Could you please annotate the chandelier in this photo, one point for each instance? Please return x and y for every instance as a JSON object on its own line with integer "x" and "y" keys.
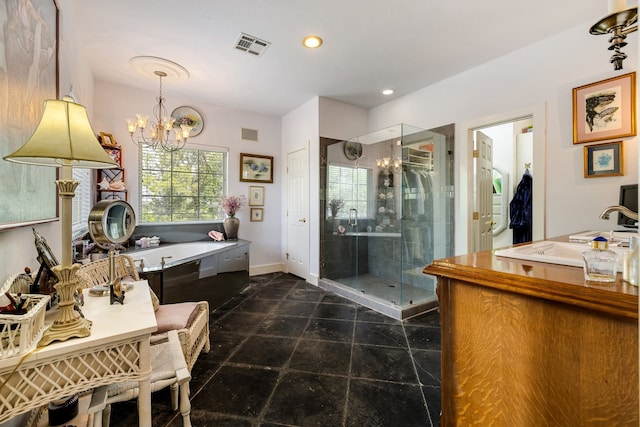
{"x": 390, "y": 163}
{"x": 159, "y": 129}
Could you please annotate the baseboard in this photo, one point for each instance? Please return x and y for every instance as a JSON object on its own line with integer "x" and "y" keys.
{"x": 266, "y": 269}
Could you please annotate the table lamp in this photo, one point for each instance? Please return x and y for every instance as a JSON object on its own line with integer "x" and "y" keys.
{"x": 64, "y": 138}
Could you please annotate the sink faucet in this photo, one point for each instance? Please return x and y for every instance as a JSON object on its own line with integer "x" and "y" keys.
{"x": 617, "y": 208}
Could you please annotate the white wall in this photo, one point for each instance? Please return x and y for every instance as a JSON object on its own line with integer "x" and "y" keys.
{"x": 16, "y": 246}
{"x": 545, "y": 72}
{"x": 222, "y": 128}
{"x": 299, "y": 130}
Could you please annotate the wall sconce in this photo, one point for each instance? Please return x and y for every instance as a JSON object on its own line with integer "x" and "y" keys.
{"x": 620, "y": 22}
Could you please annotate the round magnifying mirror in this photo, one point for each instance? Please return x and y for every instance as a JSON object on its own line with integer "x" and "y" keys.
{"x": 111, "y": 222}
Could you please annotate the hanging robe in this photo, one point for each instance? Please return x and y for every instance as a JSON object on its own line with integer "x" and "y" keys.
{"x": 521, "y": 215}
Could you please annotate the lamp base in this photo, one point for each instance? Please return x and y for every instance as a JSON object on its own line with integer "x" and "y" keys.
{"x": 70, "y": 323}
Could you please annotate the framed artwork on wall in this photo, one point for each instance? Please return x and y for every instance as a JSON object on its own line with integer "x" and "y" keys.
{"x": 256, "y": 196}
{"x": 605, "y": 109}
{"x": 30, "y": 75}
{"x": 603, "y": 160}
{"x": 256, "y": 214}
{"x": 256, "y": 168}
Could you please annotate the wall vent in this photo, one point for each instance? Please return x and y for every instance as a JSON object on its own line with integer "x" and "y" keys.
{"x": 249, "y": 134}
{"x": 251, "y": 44}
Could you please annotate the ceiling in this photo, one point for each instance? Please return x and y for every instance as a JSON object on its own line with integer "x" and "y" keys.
{"x": 368, "y": 44}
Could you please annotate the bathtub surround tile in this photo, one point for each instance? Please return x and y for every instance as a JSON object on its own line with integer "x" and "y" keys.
{"x": 285, "y": 353}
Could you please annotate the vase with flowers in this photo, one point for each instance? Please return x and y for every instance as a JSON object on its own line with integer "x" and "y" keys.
{"x": 230, "y": 206}
{"x": 335, "y": 205}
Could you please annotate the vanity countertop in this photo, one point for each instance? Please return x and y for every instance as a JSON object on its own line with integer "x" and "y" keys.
{"x": 549, "y": 281}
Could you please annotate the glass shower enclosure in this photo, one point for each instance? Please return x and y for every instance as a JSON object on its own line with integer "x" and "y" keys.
{"x": 387, "y": 212}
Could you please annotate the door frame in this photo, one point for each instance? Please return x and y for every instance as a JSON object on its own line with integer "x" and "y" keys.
{"x": 465, "y": 178}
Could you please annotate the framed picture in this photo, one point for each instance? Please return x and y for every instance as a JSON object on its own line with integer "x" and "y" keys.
{"x": 603, "y": 160}
{"x": 107, "y": 140}
{"x": 256, "y": 196}
{"x": 256, "y": 168}
{"x": 256, "y": 214}
{"x": 29, "y": 76}
{"x": 605, "y": 109}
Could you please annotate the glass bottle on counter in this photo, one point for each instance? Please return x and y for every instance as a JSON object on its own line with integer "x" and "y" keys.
{"x": 630, "y": 272}
{"x": 600, "y": 262}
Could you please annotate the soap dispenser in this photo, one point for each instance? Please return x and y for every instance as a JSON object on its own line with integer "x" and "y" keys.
{"x": 600, "y": 262}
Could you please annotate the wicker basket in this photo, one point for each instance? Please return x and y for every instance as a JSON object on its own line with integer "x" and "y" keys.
{"x": 19, "y": 333}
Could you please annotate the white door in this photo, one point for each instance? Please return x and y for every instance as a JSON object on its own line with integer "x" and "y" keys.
{"x": 484, "y": 192}
{"x": 297, "y": 253}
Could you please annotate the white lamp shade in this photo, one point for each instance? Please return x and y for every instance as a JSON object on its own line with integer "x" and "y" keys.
{"x": 63, "y": 137}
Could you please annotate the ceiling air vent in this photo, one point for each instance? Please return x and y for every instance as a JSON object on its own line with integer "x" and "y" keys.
{"x": 252, "y": 45}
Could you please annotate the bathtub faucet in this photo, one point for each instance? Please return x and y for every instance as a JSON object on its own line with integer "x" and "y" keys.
{"x": 162, "y": 261}
{"x": 623, "y": 210}
{"x": 353, "y": 217}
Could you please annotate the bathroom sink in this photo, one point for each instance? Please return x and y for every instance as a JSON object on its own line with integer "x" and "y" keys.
{"x": 561, "y": 253}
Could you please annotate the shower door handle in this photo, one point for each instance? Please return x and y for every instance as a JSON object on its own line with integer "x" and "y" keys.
{"x": 353, "y": 217}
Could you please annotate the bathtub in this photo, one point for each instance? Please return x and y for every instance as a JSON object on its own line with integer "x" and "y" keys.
{"x": 185, "y": 263}
{"x": 167, "y": 256}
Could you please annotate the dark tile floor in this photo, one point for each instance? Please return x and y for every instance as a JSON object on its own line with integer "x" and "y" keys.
{"x": 286, "y": 353}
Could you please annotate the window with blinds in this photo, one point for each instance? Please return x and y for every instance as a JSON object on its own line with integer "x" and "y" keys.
{"x": 81, "y": 203}
{"x": 351, "y": 185}
{"x": 181, "y": 186}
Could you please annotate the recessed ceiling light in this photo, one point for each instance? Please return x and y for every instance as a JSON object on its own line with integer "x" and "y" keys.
{"x": 312, "y": 42}
{"x": 387, "y": 91}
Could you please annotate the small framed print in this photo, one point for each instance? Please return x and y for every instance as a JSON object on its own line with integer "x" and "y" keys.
{"x": 603, "y": 160}
{"x": 107, "y": 140}
{"x": 256, "y": 214}
{"x": 256, "y": 196}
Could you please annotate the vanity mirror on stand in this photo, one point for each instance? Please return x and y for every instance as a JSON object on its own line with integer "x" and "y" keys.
{"x": 111, "y": 223}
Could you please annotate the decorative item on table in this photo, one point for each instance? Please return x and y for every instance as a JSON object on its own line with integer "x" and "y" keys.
{"x": 335, "y": 205}
{"x": 216, "y": 235}
{"x": 341, "y": 229}
{"x": 230, "y": 206}
{"x": 21, "y": 319}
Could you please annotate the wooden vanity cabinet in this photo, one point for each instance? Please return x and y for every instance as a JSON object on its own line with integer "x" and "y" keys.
{"x": 530, "y": 344}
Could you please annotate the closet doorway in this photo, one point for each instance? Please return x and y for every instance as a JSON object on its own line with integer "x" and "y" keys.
{"x": 512, "y": 155}
{"x": 518, "y": 119}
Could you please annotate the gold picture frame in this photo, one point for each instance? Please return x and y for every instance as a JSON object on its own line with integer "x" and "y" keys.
{"x": 256, "y": 168}
{"x": 107, "y": 140}
{"x": 602, "y": 160}
{"x": 256, "y": 214}
{"x": 256, "y": 196}
{"x": 605, "y": 109}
